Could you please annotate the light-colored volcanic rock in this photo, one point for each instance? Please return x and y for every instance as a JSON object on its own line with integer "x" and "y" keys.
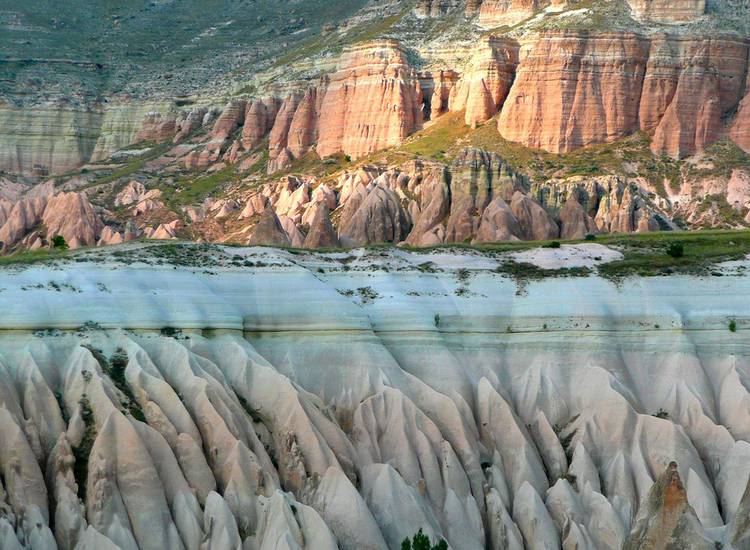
{"x": 368, "y": 404}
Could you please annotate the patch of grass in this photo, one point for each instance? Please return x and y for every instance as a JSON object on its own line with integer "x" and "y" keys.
{"x": 524, "y": 270}
{"x": 644, "y": 253}
{"x": 33, "y": 256}
{"x": 719, "y": 159}
{"x": 134, "y": 165}
{"x": 367, "y": 294}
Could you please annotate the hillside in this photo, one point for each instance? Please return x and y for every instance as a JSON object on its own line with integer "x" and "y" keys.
{"x": 474, "y": 121}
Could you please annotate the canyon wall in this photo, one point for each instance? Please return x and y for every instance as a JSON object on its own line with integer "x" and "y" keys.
{"x": 56, "y": 138}
{"x": 174, "y": 408}
{"x": 575, "y": 89}
{"x": 558, "y": 91}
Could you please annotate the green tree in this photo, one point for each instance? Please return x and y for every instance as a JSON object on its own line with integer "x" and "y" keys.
{"x": 420, "y": 541}
{"x": 58, "y": 241}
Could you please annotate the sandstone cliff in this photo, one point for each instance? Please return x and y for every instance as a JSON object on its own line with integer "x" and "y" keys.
{"x": 574, "y": 89}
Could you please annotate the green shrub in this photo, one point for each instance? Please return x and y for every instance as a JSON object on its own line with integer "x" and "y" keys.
{"x": 733, "y": 325}
{"x": 590, "y": 237}
{"x": 58, "y": 241}
{"x": 420, "y": 541}
{"x": 676, "y": 250}
{"x": 554, "y": 244}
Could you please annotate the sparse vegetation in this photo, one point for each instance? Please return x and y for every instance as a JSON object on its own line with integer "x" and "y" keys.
{"x": 420, "y": 541}
{"x": 367, "y": 294}
{"x": 732, "y": 325}
{"x": 676, "y": 249}
{"x": 58, "y": 242}
{"x": 82, "y": 451}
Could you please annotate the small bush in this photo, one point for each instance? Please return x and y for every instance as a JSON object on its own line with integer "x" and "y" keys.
{"x": 676, "y": 250}
{"x": 58, "y": 241}
{"x": 420, "y": 541}
{"x": 590, "y": 237}
{"x": 554, "y": 244}
{"x": 732, "y": 326}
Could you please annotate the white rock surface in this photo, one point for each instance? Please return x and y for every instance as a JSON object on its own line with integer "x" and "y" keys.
{"x": 249, "y": 398}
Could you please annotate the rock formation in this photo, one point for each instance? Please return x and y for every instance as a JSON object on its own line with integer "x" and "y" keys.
{"x": 666, "y": 517}
{"x": 670, "y": 11}
{"x": 486, "y": 81}
{"x": 269, "y": 231}
{"x": 368, "y": 403}
{"x": 372, "y": 103}
{"x": 321, "y": 234}
{"x": 575, "y": 89}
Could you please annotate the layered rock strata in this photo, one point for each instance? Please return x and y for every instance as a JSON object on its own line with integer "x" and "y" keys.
{"x": 368, "y": 404}
{"x": 574, "y": 89}
{"x": 558, "y": 91}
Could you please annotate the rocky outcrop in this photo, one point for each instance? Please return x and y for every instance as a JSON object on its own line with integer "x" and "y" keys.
{"x": 188, "y": 122}
{"x": 690, "y": 87}
{"x": 435, "y": 8}
{"x": 537, "y": 224}
{"x": 157, "y": 127}
{"x": 497, "y": 13}
{"x": 477, "y": 177}
{"x": 35, "y": 219}
{"x": 575, "y": 223}
{"x": 230, "y": 119}
{"x": 667, "y": 11}
{"x": 666, "y": 517}
{"x": 434, "y": 190}
{"x": 436, "y": 87}
{"x": 259, "y": 119}
{"x": 740, "y": 129}
{"x": 321, "y": 234}
{"x": 373, "y": 102}
{"x": 73, "y": 217}
{"x": 379, "y": 218}
{"x": 486, "y": 81}
{"x": 574, "y": 89}
{"x": 269, "y": 231}
{"x": 279, "y": 154}
{"x": 498, "y": 223}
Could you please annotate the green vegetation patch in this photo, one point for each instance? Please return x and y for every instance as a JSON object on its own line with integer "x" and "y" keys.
{"x": 658, "y": 253}
{"x": 420, "y": 541}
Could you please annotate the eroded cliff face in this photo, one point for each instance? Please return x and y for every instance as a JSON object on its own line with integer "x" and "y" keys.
{"x": 667, "y": 11}
{"x": 576, "y": 89}
{"x": 486, "y": 81}
{"x": 557, "y": 91}
{"x": 56, "y": 138}
{"x": 368, "y": 404}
